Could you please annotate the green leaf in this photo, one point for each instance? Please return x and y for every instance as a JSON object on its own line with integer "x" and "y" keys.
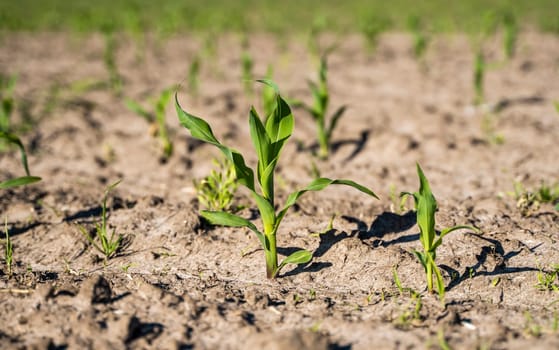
{"x": 448, "y": 230}
{"x": 222, "y": 218}
{"x": 201, "y": 130}
{"x": 139, "y": 110}
{"x": 421, "y": 257}
{"x": 197, "y": 126}
{"x": 270, "y": 83}
{"x": 317, "y": 185}
{"x": 426, "y": 206}
{"x": 266, "y": 211}
{"x": 280, "y": 124}
{"x": 11, "y": 138}
{"x": 260, "y": 139}
{"x": 299, "y": 257}
{"x": 334, "y": 121}
{"x": 19, "y": 181}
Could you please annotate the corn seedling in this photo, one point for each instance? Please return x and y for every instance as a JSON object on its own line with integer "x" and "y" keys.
{"x": 319, "y": 24}
{"x": 420, "y": 39}
{"x": 268, "y": 141}
{"x": 108, "y": 245}
{"x": 9, "y": 249}
{"x": 479, "y": 73}
{"x": 319, "y": 108}
{"x": 372, "y": 27}
{"x": 556, "y": 105}
{"x": 7, "y": 86}
{"x": 426, "y": 206}
{"x": 109, "y": 59}
{"x": 23, "y": 180}
{"x": 510, "y": 34}
{"x": 156, "y": 118}
{"x": 194, "y": 76}
{"x": 215, "y": 192}
{"x": 247, "y": 64}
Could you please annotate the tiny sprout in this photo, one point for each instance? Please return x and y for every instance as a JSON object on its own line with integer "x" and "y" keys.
{"x": 109, "y": 245}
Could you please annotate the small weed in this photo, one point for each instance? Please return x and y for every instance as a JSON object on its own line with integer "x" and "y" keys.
{"x": 547, "y": 281}
{"x": 216, "y": 191}
{"x": 426, "y": 206}
{"x": 412, "y": 311}
{"x": 156, "y": 118}
{"x": 529, "y": 201}
{"x": 488, "y": 129}
{"x": 109, "y": 245}
{"x": 531, "y": 327}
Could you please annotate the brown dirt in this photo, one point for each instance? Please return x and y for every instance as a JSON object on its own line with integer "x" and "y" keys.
{"x": 180, "y": 284}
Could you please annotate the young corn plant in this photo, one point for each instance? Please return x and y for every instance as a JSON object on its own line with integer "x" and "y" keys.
{"x": 479, "y": 73}
{"x": 108, "y": 245}
{"x": 194, "y": 76}
{"x": 319, "y": 109}
{"x": 420, "y": 39}
{"x": 426, "y": 206}
{"x": 8, "y": 250}
{"x": 7, "y": 86}
{"x": 156, "y": 118}
{"x": 216, "y": 191}
{"x": 247, "y": 64}
{"x": 372, "y": 27}
{"x": 510, "y": 34}
{"x": 268, "y": 140}
{"x": 23, "y": 180}
{"x": 109, "y": 58}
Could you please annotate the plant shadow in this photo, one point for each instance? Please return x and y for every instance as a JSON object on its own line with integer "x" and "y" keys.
{"x": 385, "y": 223}
{"x": 359, "y": 145}
{"x": 494, "y": 252}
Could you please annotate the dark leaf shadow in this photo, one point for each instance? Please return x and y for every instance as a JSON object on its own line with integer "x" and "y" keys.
{"x": 83, "y": 214}
{"x": 494, "y": 251}
{"x": 14, "y": 231}
{"x": 359, "y": 145}
{"x": 385, "y": 223}
{"x": 509, "y": 102}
